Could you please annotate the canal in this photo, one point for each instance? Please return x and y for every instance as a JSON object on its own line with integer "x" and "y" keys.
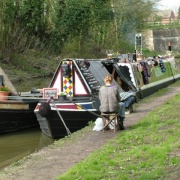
{"x": 14, "y": 146}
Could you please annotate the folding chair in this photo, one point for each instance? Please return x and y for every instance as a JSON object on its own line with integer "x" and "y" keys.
{"x": 110, "y": 121}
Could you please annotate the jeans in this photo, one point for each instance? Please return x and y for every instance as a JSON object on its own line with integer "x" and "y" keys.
{"x": 129, "y": 101}
{"x": 122, "y": 109}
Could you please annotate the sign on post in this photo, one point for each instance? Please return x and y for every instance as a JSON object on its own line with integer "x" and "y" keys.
{"x": 50, "y": 92}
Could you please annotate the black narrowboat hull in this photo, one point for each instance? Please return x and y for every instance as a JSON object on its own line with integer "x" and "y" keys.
{"x": 17, "y": 115}
{"x": 154, "y": 87}
{"x": 53, "y": 125}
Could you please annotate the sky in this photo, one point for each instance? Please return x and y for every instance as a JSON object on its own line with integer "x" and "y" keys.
{"x": 169, "y": 4}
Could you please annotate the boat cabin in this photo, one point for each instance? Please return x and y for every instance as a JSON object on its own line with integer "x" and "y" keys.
{"x": 80, "y": 78}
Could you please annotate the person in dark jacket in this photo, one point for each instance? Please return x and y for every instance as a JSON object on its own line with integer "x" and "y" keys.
{"x": 127, "y": 97}
{"x": 109, "y": 97}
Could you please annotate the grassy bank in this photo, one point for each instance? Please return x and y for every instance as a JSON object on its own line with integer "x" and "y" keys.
{"x": 30, "y": 69}
{"x": 148, "y": 150}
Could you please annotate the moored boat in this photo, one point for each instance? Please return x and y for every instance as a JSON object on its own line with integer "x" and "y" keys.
{"x": 17, "y": 115}
{"x": 148, "y": 75}
{"x": 16, "y": 112}
{"x": 80, "y": 80}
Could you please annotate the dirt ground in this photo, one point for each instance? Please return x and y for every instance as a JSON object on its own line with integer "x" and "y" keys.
{"x": 55, "y": 160}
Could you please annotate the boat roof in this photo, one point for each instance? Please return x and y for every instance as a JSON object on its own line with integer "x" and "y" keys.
{"x": 94, "y": 71}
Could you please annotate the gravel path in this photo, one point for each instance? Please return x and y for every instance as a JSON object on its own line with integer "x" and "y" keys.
{"x": 52, "y": 161}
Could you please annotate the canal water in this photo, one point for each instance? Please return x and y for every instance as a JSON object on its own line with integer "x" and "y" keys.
{"x": 14, "y": 146}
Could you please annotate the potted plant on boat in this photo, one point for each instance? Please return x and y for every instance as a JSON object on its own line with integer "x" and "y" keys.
{"x": 4, "y": 92}
{"x": 62, "y": 96}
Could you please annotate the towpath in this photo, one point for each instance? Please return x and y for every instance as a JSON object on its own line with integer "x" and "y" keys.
{"x": 55, "y": 160}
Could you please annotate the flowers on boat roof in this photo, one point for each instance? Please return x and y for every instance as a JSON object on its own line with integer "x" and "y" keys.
{"x": 4, "y": 88}
{"x": 62, "y": 93}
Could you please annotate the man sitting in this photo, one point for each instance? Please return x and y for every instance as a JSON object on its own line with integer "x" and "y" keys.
{"x": 129, "y": 98}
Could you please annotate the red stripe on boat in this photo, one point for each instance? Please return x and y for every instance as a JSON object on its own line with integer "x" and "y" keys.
{"x": 67, "y": 106}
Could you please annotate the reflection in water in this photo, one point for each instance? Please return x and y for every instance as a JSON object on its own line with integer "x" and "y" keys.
{"x": 15, "y": 146}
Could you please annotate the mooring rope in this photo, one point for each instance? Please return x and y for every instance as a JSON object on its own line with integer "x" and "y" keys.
{"x": 68, "y": 131}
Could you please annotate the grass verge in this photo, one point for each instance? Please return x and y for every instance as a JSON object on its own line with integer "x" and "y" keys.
{"x": 148, "y": 150}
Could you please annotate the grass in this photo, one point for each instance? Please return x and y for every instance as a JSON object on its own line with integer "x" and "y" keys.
{"x": 148, "y": 150}
{"x": 30, "y": 69}
{"x": 177, "y": 56}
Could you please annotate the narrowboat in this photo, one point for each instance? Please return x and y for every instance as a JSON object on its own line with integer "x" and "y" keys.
{"x": 79, "y": 80}
{"x": 16, "y": 112}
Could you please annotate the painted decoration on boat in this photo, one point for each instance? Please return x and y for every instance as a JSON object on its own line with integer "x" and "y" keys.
{"x": 75, "y": 78}
{"x": 79, "y": 88}
{"x": 67, "y": 78}
{"x": 50, "y": 92}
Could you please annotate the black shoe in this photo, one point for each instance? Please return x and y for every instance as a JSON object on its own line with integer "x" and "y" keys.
{"x": 121, "y": 124}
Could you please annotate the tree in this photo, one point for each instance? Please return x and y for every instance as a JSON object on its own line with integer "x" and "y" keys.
{"x": 178, "y": 16}
{"x": 50, "y": 23}
{"x": 82, "y": 18}
{"x": 129, "y": 16}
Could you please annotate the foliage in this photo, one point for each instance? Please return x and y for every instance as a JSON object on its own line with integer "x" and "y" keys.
{"x": 177, "y": 55}
{"x": 62, "y": 94}
{"x": 4, "y": 88}
{"x": 148, "y": 53}
{"x": 31, "y": 69}
{"x": 131, "y": 15}
{"x": 178, "y": 16}
{"x": 47, "y": 25}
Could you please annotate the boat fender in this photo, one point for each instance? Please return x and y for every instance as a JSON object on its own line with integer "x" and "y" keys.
{"x": 44, "y": 109}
